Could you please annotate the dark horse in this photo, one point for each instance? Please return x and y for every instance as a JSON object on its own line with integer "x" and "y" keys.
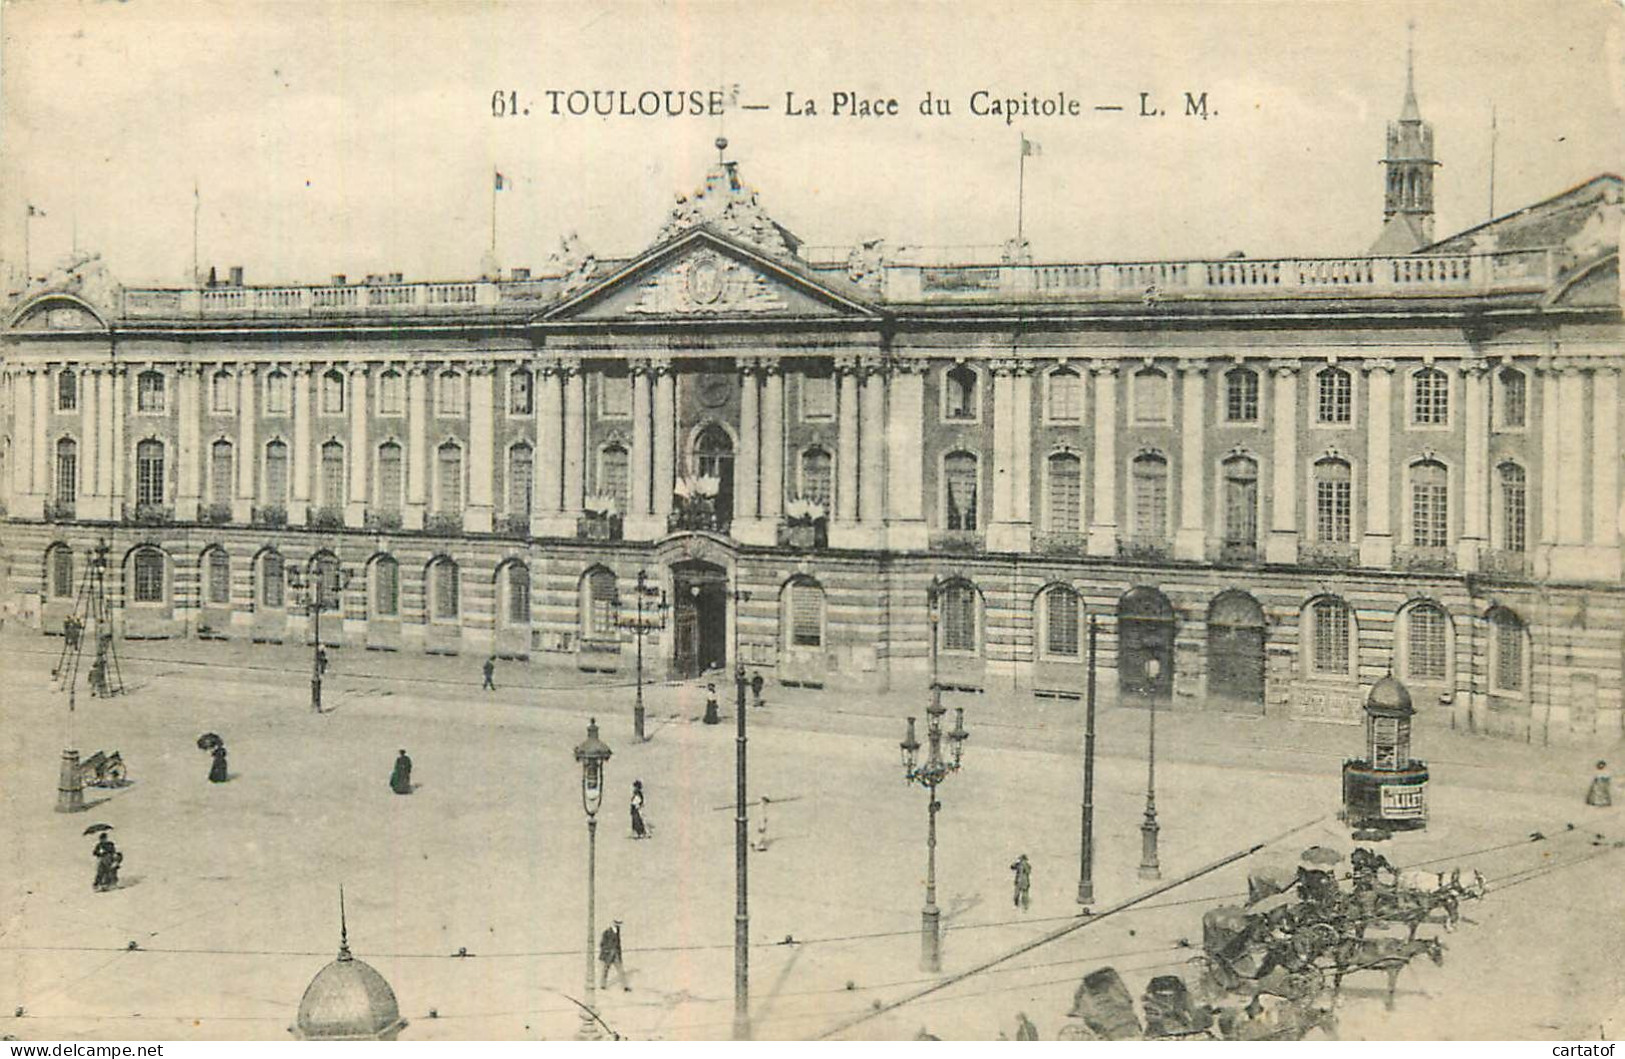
{"x": 1389, "y": 955}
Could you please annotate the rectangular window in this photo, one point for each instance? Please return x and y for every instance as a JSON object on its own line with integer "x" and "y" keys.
{"x": 67, "y": 474}
{"x": 1061, "y": 639}
{"x": 271, "y": 580}
{"x": 223, "y": 393}
{"x": 451, "y": 480}
{"x": 616, "y": 400}
{"x": 149, "y": 579}
{"x": 519, "y": 393}
{"x": 276, "y": 393}
{"x": 219, "y": 578}
{"x": 1333, "y": 511}
{"x": 1331, "y": 643}
{"x": 1508, "y": 656}
{"x": 1150, "y": 500}
{"x": 1334, "y": 396}
{"x": 149, "y": 474}
{"x": 149, "y": 392}
{"x": 1432, "y": 403}
{"x": 959, "y": 619}
{"x": 1065, "y": 494}
{"x": 806, "y": 616}
{"x": 818, "y": 395}
{"x": 1514, "y": 398}
{"x": 445, "y": 590}
{"x": 1065, "y": 396}
{"x": 1514, "y": 503}
{"x": 449, "y": 394}
{"x": 960, "y": 474}
{"x": 1430, "y": 522}
{"x": 1241, "y": 508}
{"x": 333, "y": 475}
{"x": 1426, "y": 643}
{"x": 386, "y": 589}
{"x": 389, "y": 479}
{"x": 62, "y": 574}
{"x": 519, "y": 480}
{"x": 67, "y": 392}
{"x": 1241, "y": 397}
{"x": 519, "y": 596}
{"x": 276, "y": 473}
{"x": 1151, "y": 400}
{"x": 390, "y": 393}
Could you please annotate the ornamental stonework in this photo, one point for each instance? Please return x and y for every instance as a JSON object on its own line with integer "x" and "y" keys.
{"x": 707, "y": 283}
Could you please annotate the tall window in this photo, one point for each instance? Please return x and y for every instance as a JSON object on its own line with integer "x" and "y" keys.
{"x": 149, "y": 392}
{"x": 449, "y": 467}
{"x": 518, "y": 575}
{"x": 386, "y": 587}
{"x": 1151, "y": 396}
{"x": 1334, "y": 396}
{"x": 1506, "y": 643}
{"x": 219, "y": 577}
{"x": 521, "y": 394}
{"x": 1430, "y": 505}
{"x": 391, "y": 396}
{"x": 389, "y": 478}
{"x": 1150, "y": 481}
{"x": 149, "y": 472}
{"x": 957, "y": 613}
{"x": 67, "y": 472}
{"x": 1061, "y": 612}
{"x": 223, "y": 392}
{"x": 1240, "y": 502}
{"x": 804, "y": 613}
{"x": 1430, "y": 401}
{"x": 222, "y": 471}
{"x": 614, "y": 475}
{"x": 1334, "y": 501}
{"x": 1241, "y": 395}
{"x": 271, "y": 580}
{"x": 1330, "y": 645}
{"x": 333, "y": 393}
{"x": 149, "y": 576}
{"x": 616, "y": 388}
{"x": 1514, "y": 398}
{"x": 959, "y": 475}
{"x": 448, "y": 394}
{"x": 520, "y": 462}
{"x": 959, "y": 397}
{"x": 817, "y": 476}
{"x": 818, "y": 393}
{"x": 60, "y": 565}
{"x": 1514, "y": 508}
{"x": 1065, "y": 396}
{"x": 1425, "y": 636}
{"x": 332, "y": 474}
{"x": 67, "y": 391}
{"x": 1065, "y": 493}
{"x": 444, "y": 588}
{"x": 276, "y": 393}
{"x": 276, "y": 472}
{"x": 598, "y": 606}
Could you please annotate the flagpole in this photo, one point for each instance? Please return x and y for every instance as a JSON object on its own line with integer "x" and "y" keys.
{"x": 1492, "y": 161}
{"x": 28, "y": 222}
{"x": 1021, "y": 192}
{"x": 494, "y": 176}
{"x": 197, "y": 205}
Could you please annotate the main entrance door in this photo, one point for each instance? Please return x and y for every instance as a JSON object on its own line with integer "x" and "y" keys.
{"x": 1145, "y": 648}
{"x": 699, "y": 617}
{"x": 1235, "y": 653}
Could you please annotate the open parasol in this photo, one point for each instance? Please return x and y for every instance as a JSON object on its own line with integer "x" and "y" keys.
{"x": 1321, "y": 857}
{"x": 208, "y": 741}
{"x": 96, "y": 829}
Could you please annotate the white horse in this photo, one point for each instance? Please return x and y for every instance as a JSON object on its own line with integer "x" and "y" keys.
{"x": 1434, "y": 882}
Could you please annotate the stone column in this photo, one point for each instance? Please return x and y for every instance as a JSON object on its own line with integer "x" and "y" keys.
{"x": 905, "y": 457}
{"x": 746, "y": 527}
{"x": 872, "y": 451}
{"x": 1475, "y": 477}
{"x": 665, "y": 440}
{"x": 1605, "y": 470}
{"x": 189, "y": 488}
{"x": 1190, "y": 540}
{"x": 43, "y": 454}
{"x": 1571, "y": 454}
{"x": 25, "y": 504}
{"x": 1282, "y": 546}
{"x": 118, "y": 459}
{"x": 1011, "y": 528}
{"x": 417, "y": 446}
{"x": 843, "y": 528}
{"x": 92, "y": 497}
{"x": 771, "y": 494}
{"x": 1549, "y": 412}
{"x": 575, "y": 442}
{"x": 299, "y": 505}
{"x": 1377, "y": 541}
{"x": 545, "y": 517}
{"x": 640, "y": 523}
{"x": 106, "y": 414}
{"x": 479, "y": 512}
{"x": 1103, "y": 520}
{"x": 355, "y": 512}
{"x": 248, "y": 455}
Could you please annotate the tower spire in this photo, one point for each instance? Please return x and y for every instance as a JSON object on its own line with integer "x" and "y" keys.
{"x": 1407, "y": 208}
{"x": 1410, "y": 112}
{"x": 344, "y": 928}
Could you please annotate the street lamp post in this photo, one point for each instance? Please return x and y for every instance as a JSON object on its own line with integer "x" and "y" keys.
{"x": 1149, "y": 868}
{"x": 741, "y": 862}
{"x": 641, "y": 623}
{"x": 593, "y": 756}
{"x": 1086, "y": 855}
{"x": 323, "y": 583}
{"x": 930, "y": 775}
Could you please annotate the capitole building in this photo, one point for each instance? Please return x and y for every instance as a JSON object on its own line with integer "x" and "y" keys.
{"x": 1280, "y": 479}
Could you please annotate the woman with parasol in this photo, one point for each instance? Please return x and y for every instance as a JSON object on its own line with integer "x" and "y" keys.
{"x": 217, "y": 771}
{"x": 108, "y": 858}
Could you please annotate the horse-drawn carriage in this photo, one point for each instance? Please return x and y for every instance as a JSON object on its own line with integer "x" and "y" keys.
{"x": 102, "y": 769}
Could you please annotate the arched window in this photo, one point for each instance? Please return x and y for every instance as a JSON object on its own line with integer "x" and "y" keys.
{"x": 222, "y": 472}
{"x": 1241, "y": 395}
{"x": 67, "y": 391}
{"x": 449, "y": 471}
{"x": 390, "y": 478}
{"x": 817, "y": 477}
{"x": 272, "y": 579}
{"x": 714, "y": 458}
{"x": 1514, "y": 508}
{"x": 1065, "y": 396}
{"x": 520, "y": 463}
{"x": 803, "y": 616}
{"x": 1241, "y": 503}
{"x": 959, "y": 393}
{"x": 223, "y": 392}
{"x": 448, "y": 394}
{"x": 960, "y": 479}
{"x": 1334, "y": 501}
{"x": 1508, "y": 673}
{"x": 1150, "y": 482}
{"x": 615, "y": 474}
{"x": 1065, "y": 493}
{"x": 333, "y": 392}
{"x": 1430, "y": 398}
{"x": 1426, "y": 643}
{"x": 444, "y": 589}
{"x": 1329, "y": 637}
{"x": 67, "y": 473}
{"x": 276, "y": 393}
{"x": 1514, "y": 398}
{"x": 1151, "y": 396}
{"x": 332, "y": 474}
{"x": 1063, "y": 610}
{"x": 818, "y": 393}
{"x": 1334, "y": 396}
{"x": 149, "y": 472}
{"x": 59, "y": 564}
{"x": 598, "y": 605}
{"x": 521, "y": 399}
{"x": 1430, "y": 505}
{"x": 956, "y": 613}
{"x": 386, "y": 587}
{"x": 517, "y": 591}
{"x": 149, "y": 392}
{"x": 276, "y": 472}
{"x": 149, "y": 576}
{"x": 391, "y": 398}
{"x": 217, "y": 577}
{"x": 616, "y": 390}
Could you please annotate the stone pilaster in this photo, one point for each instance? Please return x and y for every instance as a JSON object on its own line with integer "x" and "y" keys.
{"x": 93, "y": 501}
{"x": 844, "y": 525}
{"x": 1475, "y": 477}
{"x": 1282, "y": 545}
{"x": 1377, "y": 542}
{"x": 575, "y": 442}
{"x": 1190, "y": 540}
{"x": 747, "y": 526}
{"x": 479, "y": 512}
{"x": 665, "y": 439}
{"x": 771, "y": 494}
{"x": 118, "y": 457}
{"x": 1605, "y": 554}
{"x": 188, "y": 428}
{"x": 640, "y": 524}
{"x": 25, "y": 502}
{"x": 1103, "y": 521}
{"x": 905, "y": 457}
{"x": 361, "y": 457}
{"x": 546, "y": 514}
{"x": 248, "y": 453}
{"x": 1011, "y": 528}
{"x": 303, "y": 394}
{"x": 417, "y": 446}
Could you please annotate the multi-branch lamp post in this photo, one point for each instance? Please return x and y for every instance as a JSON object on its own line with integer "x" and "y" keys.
{"x": 322, "y": 586}
{"x": 649, "y": 614}
{"x": 593, "y": 756}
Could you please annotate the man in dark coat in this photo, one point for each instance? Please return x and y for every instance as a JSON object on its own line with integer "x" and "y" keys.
{"x": 609, "y": 954}
{"x": 400, "y": 781}
{"x": 1023, "y": 870}
{"x": 756, "y": 685}
{"x": 217, "y": 771}
{"x": 490, "y": 671}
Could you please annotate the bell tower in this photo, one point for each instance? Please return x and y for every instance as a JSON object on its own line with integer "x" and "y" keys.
{"x": 1407, "y": 208}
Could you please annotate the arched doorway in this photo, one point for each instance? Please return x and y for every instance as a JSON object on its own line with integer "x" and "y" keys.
{"x": 1235, "y": 653}
{"x": 714, "y": 458}
{"x": 1145, "y": 647}
{"x": 699, "y": 617}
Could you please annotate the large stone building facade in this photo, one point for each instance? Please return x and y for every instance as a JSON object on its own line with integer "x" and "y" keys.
{"x": 1279, "y": 479}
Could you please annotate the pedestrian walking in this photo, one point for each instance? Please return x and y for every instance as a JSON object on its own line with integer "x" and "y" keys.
{"x": 108, "y": 859}
{"x": 217, "y": 770}
{"x": 639, "y": 828}
{"x": 490, "y": 671}
{"x": 756, "y": 685}
{"x": 761, "y": 826}
{"x": 712, "y": 710}
{"x": 321, "y": 661}
{"x": 1024, "y": 882}
{"x": 609, "y": 954}
{"x": 1601, "y": 792}
{"x": 400, "y": 780}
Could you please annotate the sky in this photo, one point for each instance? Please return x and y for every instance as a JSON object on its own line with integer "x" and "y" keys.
{"x": 359, "y": 137}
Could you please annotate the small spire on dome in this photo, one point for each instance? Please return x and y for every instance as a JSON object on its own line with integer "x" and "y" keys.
{"x": 344, "y": 929}
{"x": 1410, "y": 112}
{"x": 722, "y": 147}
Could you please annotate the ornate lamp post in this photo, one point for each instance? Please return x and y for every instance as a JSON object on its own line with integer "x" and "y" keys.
{"x": 321, "y": 587}
{"x": 929, "y": 775}
{"x": 641, "y": 622}
{"x": 1149, "y": 868}
{"x": 593, "y": 755}
{"x": 1086, "y": 855}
